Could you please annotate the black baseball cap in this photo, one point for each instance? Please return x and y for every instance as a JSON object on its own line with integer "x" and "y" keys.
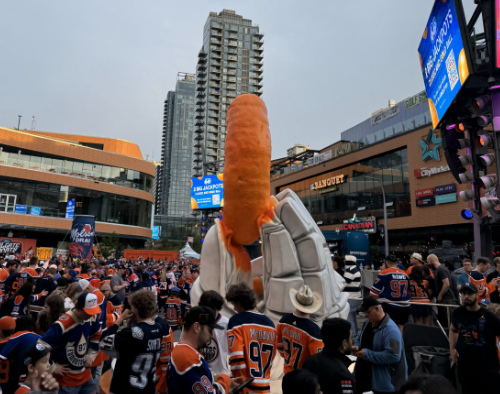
{"x": 36, "y": 352}
{"x": 203, "y": 315}
{"x": 469, "y": 286}
{"x": 391, "y": 258}
{"x": 367, "y": 303}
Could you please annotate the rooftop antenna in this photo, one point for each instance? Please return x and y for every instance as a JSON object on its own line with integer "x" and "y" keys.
{"x": 33, "y": 123}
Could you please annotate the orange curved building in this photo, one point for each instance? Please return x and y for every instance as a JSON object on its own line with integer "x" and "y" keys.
{"x": 107, "y": 178}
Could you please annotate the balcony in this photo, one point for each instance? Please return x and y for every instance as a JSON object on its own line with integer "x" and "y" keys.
{"x": 231, "y": 79}
{"x": 232, "y": 58}
{"x": 214, "y": 98}
{"x": 202, "y": 54}
{"x": 213, "y": 106}
{"x": 233, "y": 43}
{"x": 213, "y": 122}
{"x": 198, "y": 136}
{"x": 197, "y": 144}
{"x": 233, "y": 28}
{"x": 232, "y": 65}
{"x": 215, "y": 55}
{"x": 231, "y": 86}
{"x": 216, "y": 25}
{"x": 213, "y": 114}
{"x": 215, "y": 77}
{"x": 231, "y": 72}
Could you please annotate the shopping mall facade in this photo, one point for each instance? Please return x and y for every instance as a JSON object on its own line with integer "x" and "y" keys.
{"x": 41, "y": 173}
{"x": 341, "y": 186}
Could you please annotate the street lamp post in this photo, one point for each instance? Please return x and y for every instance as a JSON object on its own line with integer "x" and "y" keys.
{"x": 386, "y": 233}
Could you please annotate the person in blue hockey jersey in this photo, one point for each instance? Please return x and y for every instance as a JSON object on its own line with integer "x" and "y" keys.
{"x": 392, "y": 284}
{"x": 188, "y": 371}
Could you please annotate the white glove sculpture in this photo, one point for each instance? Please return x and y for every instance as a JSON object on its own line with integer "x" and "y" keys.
{"x": 294, "y": 251}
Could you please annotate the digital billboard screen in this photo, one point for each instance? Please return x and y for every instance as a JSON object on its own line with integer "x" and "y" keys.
{"x": 443, "y": 57}
{"x": 207, "y": 192}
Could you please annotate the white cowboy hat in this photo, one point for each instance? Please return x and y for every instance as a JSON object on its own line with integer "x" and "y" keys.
{"x": 305, "y": 300}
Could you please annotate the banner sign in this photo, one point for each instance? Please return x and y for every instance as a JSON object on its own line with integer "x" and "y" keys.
{"x": 367, "y": 224}
{"x": 22, "y": 209}
{"x": 156, "y": 232}
{"x": 82, "y": 237}
{"x": 426, "y": 202}
{"x": 424, "y": 192}
{"x": 442, "y": 58}
{"x": 312, "y": 161}
{"x": 207, "y": 192}
{"x": 35, "y": 211}
{"x": 415, "y": 100}
{"x": 379, "y": 117}
{"x": 445, "y": 198}
{"x": 444, "y": 189}
{"x": 22, "y": 246}
{"x": 44, "y": 254}
{"x": 70, "y": 209}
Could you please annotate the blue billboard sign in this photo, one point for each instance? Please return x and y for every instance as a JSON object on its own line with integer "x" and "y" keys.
{"x": 207, "y": 192}
{"x": 21, "y": 209}
{"x": 156, "y": 232}
{"x": 443, "y": 58}
{"x": 70, "y": 209}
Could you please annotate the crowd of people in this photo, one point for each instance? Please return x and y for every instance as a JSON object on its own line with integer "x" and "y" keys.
{"x": 75, "y": 326}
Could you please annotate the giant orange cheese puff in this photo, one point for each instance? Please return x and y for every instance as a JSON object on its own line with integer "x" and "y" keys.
{"x": 247, "y": 204}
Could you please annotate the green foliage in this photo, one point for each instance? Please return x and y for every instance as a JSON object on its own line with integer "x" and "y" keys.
{"x": 375, "y": 254}
{"x": 109, "y": 244}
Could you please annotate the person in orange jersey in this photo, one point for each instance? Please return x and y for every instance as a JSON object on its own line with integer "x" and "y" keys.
{"x": 298, "y": 336}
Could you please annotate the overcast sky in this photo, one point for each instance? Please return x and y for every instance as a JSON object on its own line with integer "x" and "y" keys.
{"x": 103, "y": 68}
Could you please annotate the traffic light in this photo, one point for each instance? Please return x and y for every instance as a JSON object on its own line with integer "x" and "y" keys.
{"x": 466, "y": 143}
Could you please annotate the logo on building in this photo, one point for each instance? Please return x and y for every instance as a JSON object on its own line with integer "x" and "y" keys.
{"x": 430, "y": 153}
{"x": 366, "y": 224}
{"x": 334, "y": 180}
{"x": 424, "y": 171}
{"x": 355, "y": 219}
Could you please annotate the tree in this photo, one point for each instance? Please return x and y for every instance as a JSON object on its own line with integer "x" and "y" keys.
{"x": 109, "y": 244}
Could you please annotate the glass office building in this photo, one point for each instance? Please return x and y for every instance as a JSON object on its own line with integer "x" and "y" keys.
{"x": 356, "y": 189}
{"x": 229, "y": 64}
{"x": 175, "y": 172}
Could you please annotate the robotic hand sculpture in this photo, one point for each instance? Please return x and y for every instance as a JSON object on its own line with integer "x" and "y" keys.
{"x": 294, "y": 251}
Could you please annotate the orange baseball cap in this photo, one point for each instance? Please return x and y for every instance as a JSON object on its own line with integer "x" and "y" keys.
{"x": 7, "y": 323}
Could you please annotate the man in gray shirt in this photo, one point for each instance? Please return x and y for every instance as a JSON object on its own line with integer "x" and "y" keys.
{"x": 117, "y": 284}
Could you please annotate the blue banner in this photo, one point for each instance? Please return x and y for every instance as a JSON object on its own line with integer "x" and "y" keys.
{"x": 207, "y": 192}
{"x": 70, "y": 209}
{"x": 35, "y": 211}
{"x": 21, "y": 209}
{"x": 156, "y": 232}
{"x": 442, "y": 58}
{"x": 82, "y": 237}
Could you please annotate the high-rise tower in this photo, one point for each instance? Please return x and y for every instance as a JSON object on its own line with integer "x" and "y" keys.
{"x": 229, "y": 64}
{"x": 175, "y": 172}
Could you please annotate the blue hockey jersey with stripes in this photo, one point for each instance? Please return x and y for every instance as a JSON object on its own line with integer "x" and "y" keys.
{"x": 392, "y": 284}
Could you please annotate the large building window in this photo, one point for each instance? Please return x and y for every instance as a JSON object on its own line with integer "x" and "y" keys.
{"x": 52, "y": 200}
{"x": 360, "y": 190}
{"x": 11, "y": 156}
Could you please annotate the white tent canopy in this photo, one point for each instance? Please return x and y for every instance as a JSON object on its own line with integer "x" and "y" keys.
{"x": 188, "y": 253}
